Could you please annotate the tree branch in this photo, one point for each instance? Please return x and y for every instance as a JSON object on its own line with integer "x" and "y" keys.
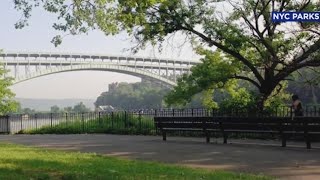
{"x": 247, "y": 79}
{"x": 290, "y": 69}
{"x": 278, "y": 90}
{"x": 261, "y": 37}
{"x": 228, "y": 51}
{"x": 313, "y": 48}
{"x": 305, "y": 5}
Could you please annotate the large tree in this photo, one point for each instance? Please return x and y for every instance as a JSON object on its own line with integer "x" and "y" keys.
{"x": 7, "y": 102}
{"x": 265, "y": 53}
{"x": 81, "y": 108}
{"x": 55, "y": 109}
{"x": 141, "y": 95}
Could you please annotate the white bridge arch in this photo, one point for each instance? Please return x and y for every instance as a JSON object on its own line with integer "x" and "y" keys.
{"x": 26, "y": 66}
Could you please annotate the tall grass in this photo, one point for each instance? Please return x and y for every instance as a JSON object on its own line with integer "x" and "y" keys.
{"x": 116, "y": 123}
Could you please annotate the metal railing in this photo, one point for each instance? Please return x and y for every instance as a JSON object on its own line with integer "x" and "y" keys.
{"x": 118, "y": 122}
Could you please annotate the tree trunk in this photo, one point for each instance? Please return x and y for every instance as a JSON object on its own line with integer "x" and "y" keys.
{"x": 314, "y": 96}
{"x": 260, "y": 103}
{"x": 267, "y": 87}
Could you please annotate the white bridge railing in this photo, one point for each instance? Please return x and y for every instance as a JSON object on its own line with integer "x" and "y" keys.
{"x": 25, "y": 66}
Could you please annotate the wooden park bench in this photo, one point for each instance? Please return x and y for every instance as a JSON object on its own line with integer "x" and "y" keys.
{"x": 308, "y": 127}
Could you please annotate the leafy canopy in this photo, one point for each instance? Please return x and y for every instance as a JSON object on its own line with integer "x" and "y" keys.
{"x": 213, "y": 73}
{"x": 263, "y": 53}
{"x": 133, "y": 96}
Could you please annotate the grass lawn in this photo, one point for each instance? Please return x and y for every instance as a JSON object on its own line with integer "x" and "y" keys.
{"x": 21, "y": 162}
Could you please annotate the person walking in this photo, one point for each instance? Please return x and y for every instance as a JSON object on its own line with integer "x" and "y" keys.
{"x": 297, "y": 106}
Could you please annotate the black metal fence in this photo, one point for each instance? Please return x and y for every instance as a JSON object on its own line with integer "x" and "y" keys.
{"x": 70, "y": 123}
{"x": 117, "y": 122}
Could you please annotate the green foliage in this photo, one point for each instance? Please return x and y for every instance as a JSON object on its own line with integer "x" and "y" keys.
{"x": 68, "y": 109}
{"x": 80, "y": 108}
{"x": 55, "y": 109}
{"x": 22, "y": 162}
{"x": 215, "y": 79}
{"x": 7, "y": 103}
{"x": 208, "y": 100}
{"x": 279, "y": 97}
{"x": 213, "y": 73}
{"x": 118, "y": 123}
{"x": 21, "y": 110}
{"x": 27, "y": 111}
{"x": 239, "y": 99}
{"x": 133, "y": 96}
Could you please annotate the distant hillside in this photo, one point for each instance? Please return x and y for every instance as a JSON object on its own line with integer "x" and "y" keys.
{"x": 45, "y": 104}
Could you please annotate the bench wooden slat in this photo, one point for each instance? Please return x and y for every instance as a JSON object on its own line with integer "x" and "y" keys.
{"x": 181, "y": 125}
{"x": 279, "y": 125}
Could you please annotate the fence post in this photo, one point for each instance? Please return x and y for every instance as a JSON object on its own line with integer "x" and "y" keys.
{"x": 82, "y": 121}
{"x": 66, "y": 119}
{"x": 306, "y": 135}
{"x": 35, "y": 118}
{"x": 140, "y": 121}
{"x": 112, "y": 117}
{"x": 125, "y": 119}
{"x": 8, "y": 125}
{"x": 21, "y": 122}
{"x": 51, "y": 116}
{"x": 99, "y": 114}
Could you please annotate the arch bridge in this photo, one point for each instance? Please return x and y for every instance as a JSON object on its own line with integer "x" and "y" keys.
{"x": 26, "y": 66}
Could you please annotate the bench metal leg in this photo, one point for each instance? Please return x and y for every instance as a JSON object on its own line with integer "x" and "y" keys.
{"x": 284, "y": 140}
{"x": 207, "y": 138}
{"x": 308, "y": 145}
{"x": 225, "y": 137}
{"x": 164, "y": 136}
{"x": 307, "y": 139}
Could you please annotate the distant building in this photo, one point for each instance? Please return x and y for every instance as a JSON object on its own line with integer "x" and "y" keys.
{"x": 105, "y": 108}
{"x": 25, "y": 117}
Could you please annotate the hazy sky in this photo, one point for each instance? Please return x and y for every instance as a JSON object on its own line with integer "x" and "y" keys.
{"x": 83, "y": 84}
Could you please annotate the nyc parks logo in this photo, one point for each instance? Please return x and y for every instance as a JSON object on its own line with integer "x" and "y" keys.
{"x": 295, "y": 17}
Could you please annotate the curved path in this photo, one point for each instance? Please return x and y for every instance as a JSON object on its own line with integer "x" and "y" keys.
{"x": 253, "y": 156}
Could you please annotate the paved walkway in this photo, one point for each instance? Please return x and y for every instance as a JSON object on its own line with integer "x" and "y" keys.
{"x": 294, "y": 162}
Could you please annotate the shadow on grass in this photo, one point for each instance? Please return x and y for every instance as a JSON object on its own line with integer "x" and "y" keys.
{"x": 37, "y": 163}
